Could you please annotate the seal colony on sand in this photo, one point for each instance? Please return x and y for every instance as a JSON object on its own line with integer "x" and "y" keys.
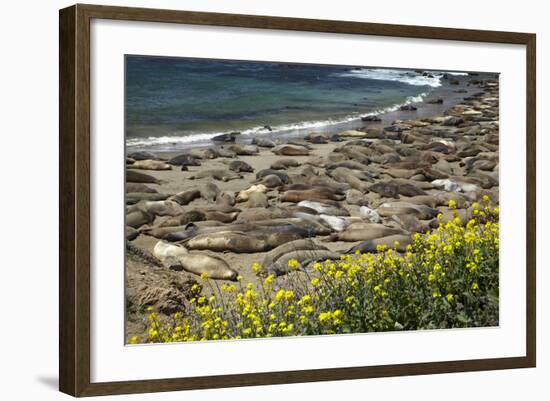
{"x": 246, "y": 200}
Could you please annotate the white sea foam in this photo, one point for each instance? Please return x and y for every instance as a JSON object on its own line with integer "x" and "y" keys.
{"x": 404, "y": 76}
{"x": 432, "y": 78}
{"x": 199, "y": 138}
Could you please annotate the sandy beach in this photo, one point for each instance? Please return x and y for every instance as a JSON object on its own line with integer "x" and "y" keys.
{"x": 341, "y": 187}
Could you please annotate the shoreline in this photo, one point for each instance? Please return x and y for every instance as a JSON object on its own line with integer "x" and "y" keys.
{"x": 448, "y": 93}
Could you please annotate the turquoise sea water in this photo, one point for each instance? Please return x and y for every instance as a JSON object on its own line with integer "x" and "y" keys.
{"x": 186, "y": 101}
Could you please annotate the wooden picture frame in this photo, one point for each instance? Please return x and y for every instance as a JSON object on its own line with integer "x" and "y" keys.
{"x": 74, "y": 203}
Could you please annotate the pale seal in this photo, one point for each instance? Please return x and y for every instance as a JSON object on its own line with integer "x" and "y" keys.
{"x": 155, "y": 165}
{"x": 245, "y": 194}
{"x": 174, "y": 256}
{"x": 365, "y": 232}
{"x": 237, "y": 242}
{"x": 290, "y": 150}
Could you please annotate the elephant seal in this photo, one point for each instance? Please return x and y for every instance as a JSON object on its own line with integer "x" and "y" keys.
{"x": 231, "y": 241}
{"x": 185, "y": 233}
{"x": 297, "y": 245}
{"x": 438, "y": 147}
{"x": 217, "y": 174}
{"x": 283, "y": 164}
{"x": 137, "y": 218}
{"x": 422, "y": 212}
{"x": 446, "y": 185}
{"x": 156, "y": 165}
{"x": 448, "y": 215}
{"x": 135, "y": 197}
{"x": 432, "y": 201}
{"x": 245, "y": 194}
{"x": 257, "y": 199}
{"x": 335, "y": 223}
{"x": 225, "y": 137}
{"x": 263, "y": 142}
{"x": 431, "y": 173}
{"x": 256, "y": 214}
{"x": 272, "y": 181}
{"x": 138, "y": 187}
{"x": 349, "y": 164}
{"x": 386, "y": 158}
{"x": 209, "y": 191}
{"x": 353, "y": 134}
{"x": 131, "y": 233}
{"x": 365, "y": 232}
{"x": 313, "y": 224}
{"x": 279, "y": 235}
{"x": 319, "y": 161}
{"x": 484, "y": 180}
{"x": 221, "y": 216}
{"x": 239, "y": 166}
{"x": 174, "y": 256}
{"x": 316, "y": 138}
{"x": 184, "y": 160}
{"x": 323, "y": 208}
{"x": 143, "y": 155}
{"x": 300, "y": 209}
{"x": 265, "y": 172}
{"x": 159, "y": 208}
{"x": 423, "y": 185}
{"x": 186, "y": 197}
{"x": 360, "y": 173}
{"x": 371, "y": 118}
{"x": 400, "y": 173}
{"x": 225, "y": 198}
{"x": 137, "y": 177}
{"x": 356, "y": 154}
{"x": 462, "y": 202}
{"x": 290, "y": 150}
{"x": 408, "y": 189}
{"x": 329, "y": 186}
{"x": 370, "y": 215}
{"x": 162, "y": 232}
{"x": 244, "y": 150}
{"x": 224, "y": 152}
{"x": 355, "y": 197}
{"x": 410, "y": 223}
{"x": 469, "y": 150}
{"x": 183, "y": 219}
{"x": 385, "y": 189}
{"x": 303, "y": 257}
{"x": 388, "y": 241}
{"x": 296, "y": 196}
{"x": 168, "y": 253}
{"x": 207, "y": 153}
{"x": 341, "y": 174}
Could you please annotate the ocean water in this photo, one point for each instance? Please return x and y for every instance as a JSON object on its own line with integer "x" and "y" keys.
{"x": 185, "y": 101}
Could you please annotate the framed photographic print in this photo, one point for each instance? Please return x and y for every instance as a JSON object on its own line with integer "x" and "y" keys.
{"x": 279, "y": 200}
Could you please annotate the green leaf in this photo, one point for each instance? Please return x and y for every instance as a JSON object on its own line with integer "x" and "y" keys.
{"x": 462, "y": 318}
